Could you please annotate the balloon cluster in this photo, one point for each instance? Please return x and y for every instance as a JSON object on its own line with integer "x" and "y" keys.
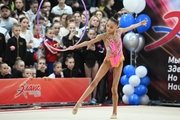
{"x": 135, "y": 82}
{"x": 134, "y": 42}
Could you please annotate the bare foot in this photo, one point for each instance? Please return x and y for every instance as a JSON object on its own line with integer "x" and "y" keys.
{"x": 114, "y": 116}
{"x": 75, "y": 109}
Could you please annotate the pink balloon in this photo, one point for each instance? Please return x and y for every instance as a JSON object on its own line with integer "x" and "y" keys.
{"x": 12, "y": 48}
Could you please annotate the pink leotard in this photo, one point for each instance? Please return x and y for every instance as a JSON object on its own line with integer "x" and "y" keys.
{"x": 114, "y": 51}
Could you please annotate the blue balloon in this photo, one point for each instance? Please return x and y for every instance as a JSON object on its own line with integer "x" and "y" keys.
{"x": 134, "y": 99}
{"x": 142, "y": 29}
{"x": 126, "y": 20}
{"x": 140, "y": 90}
{"x": 129, "y": 70}
{"x": 145, "y": 81}
{"x": 124, "y": 80}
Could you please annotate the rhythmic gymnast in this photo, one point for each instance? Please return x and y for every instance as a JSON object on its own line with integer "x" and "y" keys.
{"x": 114, "y": 58}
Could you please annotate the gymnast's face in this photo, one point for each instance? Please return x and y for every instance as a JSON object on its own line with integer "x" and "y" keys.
{"x": 111, "y": 27}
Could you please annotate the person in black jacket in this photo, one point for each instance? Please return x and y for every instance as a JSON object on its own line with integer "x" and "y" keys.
{"x": 70, "y": 71}
{"x": 77, "y": 5}
{"x": 70, "y": 40}
{"x": 42, "y": 70}
{"x": 2, "y": 47}
{"x": 91, "y": 65}
{"x": 4, "y": 71}
{"x": 18, "y": 69}
{"x": 16, "y": 46}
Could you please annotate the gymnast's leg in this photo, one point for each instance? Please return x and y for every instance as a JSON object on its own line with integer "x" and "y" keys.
{"x": 101, "y": 72}
{"x": 116, "y": 76}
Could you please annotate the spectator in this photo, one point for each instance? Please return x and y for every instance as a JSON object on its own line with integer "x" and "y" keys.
{"x": 19, "y": 67}
{"x": 57, "y": 36}
{"x": 27, "y": 73}
{"x": 46, "y": 6}
{"x": 33, "y": 72}
{"x": 19, "y": 8}
{"x": 21, "y": 15}
{"x": 103, "y": 23}
{"x": 6, "y": 21}
{"x": 28, "y": 36}
{"x": 5, "y": 2}
{"x": 93, "y": 22}
{"x": 64, "y": 30}
{"x": 56, "y": 18}
{"x": 77, "y": 5}
{"x": 42, "y": 70}
{"x": 70, "y": 40}
{"x": 38, "y": 51}
{"x": 108, "y": 8}
{"x": 2, "y": 47}
{"x": 32, "y": 11}
{"x": 70, "y": 71}
{"x": 63, "y": 18}
{"x": 87, "y": 13}
{"x": 50, "y": 54}
{"x": 57, "y": 68}
{"x": 16, "y": 46}
{"x": 4, "y": 71}
{"x": 41, "y": 25}
{"x": 5, "y": 32}
{"x": 91, "y": 64}
{"x": 61, "y": 8}
{"x": 77, "y": 18}
{"x": 100, "y": 14}
{"x": 83, "y": 20}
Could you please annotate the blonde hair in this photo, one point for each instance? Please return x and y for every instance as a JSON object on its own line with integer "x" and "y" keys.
{"x": 15, "y": 25}
{"x": 90, "y": 25}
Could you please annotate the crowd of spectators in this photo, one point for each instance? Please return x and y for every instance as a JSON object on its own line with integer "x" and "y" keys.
{"x": 31, "y": 44}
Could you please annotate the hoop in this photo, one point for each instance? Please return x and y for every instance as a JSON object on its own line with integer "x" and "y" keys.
{"x": 56, "y": 49}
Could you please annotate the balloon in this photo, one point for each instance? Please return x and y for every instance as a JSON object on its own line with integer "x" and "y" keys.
{"x": 125, "y": 99}
{"x": 134, "y": 99}
{"x": 140, "y": 90}
{"x": 12, "y": 48}
{"x": 131, "y": 5}
{"x": 131, "y": 41}
{"x": 129, "y": 70}
{"x": 144, "y": 100}
{"x": 141, "y": 42}
{"x": 141, "y": 6}
{"x": 145, "y": 81}
{"x": 126, "y": 20}
{"x": 124, "y": 80}
{"x": 142, "y": 29}
{"x": 134, "y": 80}
{"x": 141, "y": 71}
{"x": 128, "y": 89}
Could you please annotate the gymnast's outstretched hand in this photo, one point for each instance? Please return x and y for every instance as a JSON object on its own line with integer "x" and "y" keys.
{"x": 144, "y": 22}
{"x": 70, "y": 48}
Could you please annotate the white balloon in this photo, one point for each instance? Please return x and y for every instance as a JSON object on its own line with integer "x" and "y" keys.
{"x": 131, "y": 5}
{"x": 125, "y": 99}
{"x": 141, "y": 71}
{"x": 134, "y": 80}
{"x": 144, "y": 100}
{"x": 128, "y": 89}
{"x": 140, "y": 7}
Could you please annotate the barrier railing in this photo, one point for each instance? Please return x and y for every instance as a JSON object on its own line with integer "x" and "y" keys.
{"x": 41, "y": 91}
